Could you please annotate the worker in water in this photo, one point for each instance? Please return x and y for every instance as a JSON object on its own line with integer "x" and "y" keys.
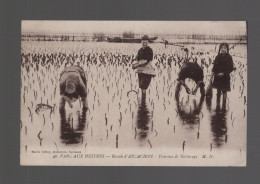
{"x": 193, "y": 71}
{"x": 222, "y": 67}
{"x": 144, "y": 68}
{"x": 73, "y": 84}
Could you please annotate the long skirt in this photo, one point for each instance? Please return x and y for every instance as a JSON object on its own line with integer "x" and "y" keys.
{"x": 144, "y": 80}
{"x": 222, "y": 83}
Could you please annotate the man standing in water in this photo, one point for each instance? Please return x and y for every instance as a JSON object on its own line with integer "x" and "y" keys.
{"x": 165, "y": 42}
{"x": 73, "y": 85}
{"x": 144, "y": 68}
{"x": 192, "y": 71}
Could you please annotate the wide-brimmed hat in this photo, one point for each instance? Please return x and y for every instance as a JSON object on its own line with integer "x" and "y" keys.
{"x": 145, "y": 37}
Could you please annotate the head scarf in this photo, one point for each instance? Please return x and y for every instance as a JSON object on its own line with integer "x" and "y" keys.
{"x": 223, "y": 44}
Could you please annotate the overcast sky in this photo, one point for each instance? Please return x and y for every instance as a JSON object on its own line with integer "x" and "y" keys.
{"x": 144, "y": 27}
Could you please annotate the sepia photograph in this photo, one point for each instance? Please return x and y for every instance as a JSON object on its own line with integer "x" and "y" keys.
{"x": 133, "y": 93}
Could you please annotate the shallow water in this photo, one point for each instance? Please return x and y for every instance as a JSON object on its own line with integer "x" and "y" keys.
{"x": 118, "y": 119}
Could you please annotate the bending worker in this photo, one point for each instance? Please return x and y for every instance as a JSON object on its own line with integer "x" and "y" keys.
{"x": 73, "y": 84}
{"x": 193, "y": 71}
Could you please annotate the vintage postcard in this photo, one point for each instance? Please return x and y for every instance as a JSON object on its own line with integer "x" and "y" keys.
{"x": 133, "y": 93}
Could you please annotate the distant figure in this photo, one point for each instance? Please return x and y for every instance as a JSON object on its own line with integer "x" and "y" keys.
{"x": 194, "y": 72}
{"x": 144, "y": 68}
{"x": 166, "y": 43}
{"x": 73, "y": 84}
{"x": 186, "y": 54}
{"x": 222, "y": 67}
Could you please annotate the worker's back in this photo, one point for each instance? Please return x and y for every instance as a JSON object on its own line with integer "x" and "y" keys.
{"x": 191, "y": 70}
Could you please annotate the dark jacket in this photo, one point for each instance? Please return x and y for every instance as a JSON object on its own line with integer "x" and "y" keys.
{"x": 145, "y": 54}
{"x": 222, "y": 64}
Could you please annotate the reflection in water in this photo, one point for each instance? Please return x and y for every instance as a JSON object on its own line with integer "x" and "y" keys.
{"x": 218, "y": 124}
{"x": 209, "y": 102}
{"x": 72, "y": 129}
{"x": 143, "y": 121}
{"x": 190, "y": 117}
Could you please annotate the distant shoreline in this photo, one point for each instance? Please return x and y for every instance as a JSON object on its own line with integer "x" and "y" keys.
{"x": 199, "y": 42}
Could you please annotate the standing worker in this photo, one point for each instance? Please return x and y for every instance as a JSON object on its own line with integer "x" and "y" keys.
{"x": 73, "y": 84}
{"x": 144, "y": 68}
{"x": 223, "y": 66}
{"x": 166, "y": 43}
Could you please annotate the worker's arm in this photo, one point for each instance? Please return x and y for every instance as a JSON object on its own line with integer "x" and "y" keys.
{"x": 140, "y": 63}
{"x": 64, "y": 99}
{"x": 185, "y": 86}
{"x": 62, "y": 103}
{"x": 143, "y": 62}
{"x": 134, "y": 66}
{"x": 83, "y": 94}
{"x": 196, "y": 88}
